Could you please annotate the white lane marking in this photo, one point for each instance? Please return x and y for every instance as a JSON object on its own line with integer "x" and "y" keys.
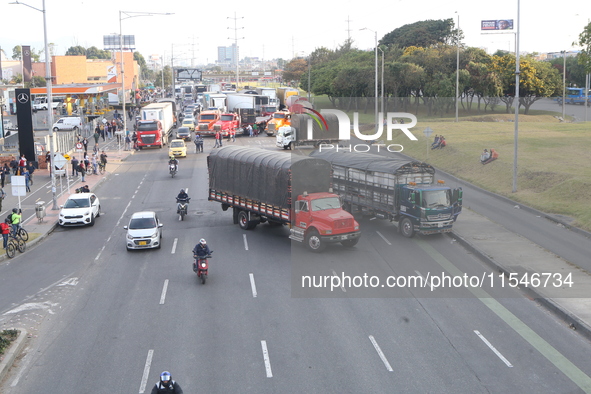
{"x": 266, "y": 358}
{"x": 163, "y": 296}
{"x": 24, "y": 365}
{"x": 380, "y": 353}
{"x": 146, "y": 371}
{"x": 384, "y": 238}
{"x": 245, "y": 242}
{"x": 253, "y": 286}
{"x": 342, "y": 287}
{"x": 499, "y": 355}
{"x": 99, "y": 253}
{"x": 174, "y": 245}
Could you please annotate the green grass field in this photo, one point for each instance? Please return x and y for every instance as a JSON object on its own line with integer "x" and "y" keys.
{"x": 554, "y": 159}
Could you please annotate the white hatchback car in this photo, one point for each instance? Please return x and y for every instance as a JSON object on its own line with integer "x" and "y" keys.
{"x": 144, "y": 231}
{"x": 80, "y": 209}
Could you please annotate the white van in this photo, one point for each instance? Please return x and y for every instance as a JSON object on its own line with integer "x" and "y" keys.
{"x": 68, "y": 123}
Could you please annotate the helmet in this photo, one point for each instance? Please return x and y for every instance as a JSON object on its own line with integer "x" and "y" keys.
{"x": 14, "y": 210}
{"x": 182, "y": 190}
{"x": 165, "y": 377}
{"x": 202, "y": 241}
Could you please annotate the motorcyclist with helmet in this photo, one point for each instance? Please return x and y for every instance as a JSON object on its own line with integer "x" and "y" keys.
{"x": 182, "y": 197}
{"x": 201, "y": 250}
{"x": 166, "y": 385}
{"x": 174, "y": 160}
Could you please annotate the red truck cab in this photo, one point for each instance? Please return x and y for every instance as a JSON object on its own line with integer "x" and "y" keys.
{"x": 320, "y": 219}
{"x": 206, "y": 121}
{"x": 228, "y": 122}
{"x": 149, "y": 133}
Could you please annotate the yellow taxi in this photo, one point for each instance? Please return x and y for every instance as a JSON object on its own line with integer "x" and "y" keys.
{"x": 190, "y": 123}
{"x": 177, "y": 148}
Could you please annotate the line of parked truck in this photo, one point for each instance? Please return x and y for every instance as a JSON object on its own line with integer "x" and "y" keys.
{"x": 317, "y": 195}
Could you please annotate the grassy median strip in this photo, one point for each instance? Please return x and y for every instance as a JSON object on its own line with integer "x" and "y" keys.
{"x": 554, "y": 170}
{"x": 6, "y": 338}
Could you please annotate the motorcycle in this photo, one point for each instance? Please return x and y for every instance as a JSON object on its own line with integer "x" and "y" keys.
{"x": 183, "y": 207}
{"x": 200, "y": 266}
{"x": 172, "y": 169}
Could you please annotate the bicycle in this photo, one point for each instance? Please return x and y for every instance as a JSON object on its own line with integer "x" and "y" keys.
{"x": 21, "y": 233}
{"x": 14, "y": 244}
{"x": 102, "y": 168}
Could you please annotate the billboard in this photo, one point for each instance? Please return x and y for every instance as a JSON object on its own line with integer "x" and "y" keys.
{"x": 114, "y": 42}
{"x": 497, "y": 24}
{"x": 192, "y": 74}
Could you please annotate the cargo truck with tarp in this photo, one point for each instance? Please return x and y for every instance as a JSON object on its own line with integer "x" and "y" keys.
{"x": 280, "y": 189}
{"x": 396, "y": 189}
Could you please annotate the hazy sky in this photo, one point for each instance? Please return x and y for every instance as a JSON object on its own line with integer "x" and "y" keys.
{"x": 269, "y": 30}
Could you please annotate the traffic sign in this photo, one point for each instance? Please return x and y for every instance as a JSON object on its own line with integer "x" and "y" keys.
{"x": 428, "y": 131}
{"x": 67, "y": 157}
{"x": 79, "y": 146}
{"x": 59, "y": 161}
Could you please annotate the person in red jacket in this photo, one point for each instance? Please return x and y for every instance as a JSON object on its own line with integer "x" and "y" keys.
{"x": 5, "y": 230}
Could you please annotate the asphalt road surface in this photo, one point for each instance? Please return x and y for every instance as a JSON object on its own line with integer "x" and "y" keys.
{"x": 104, "y": 319}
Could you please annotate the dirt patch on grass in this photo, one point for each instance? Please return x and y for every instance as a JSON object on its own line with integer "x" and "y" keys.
{"x": 540, "y": 181}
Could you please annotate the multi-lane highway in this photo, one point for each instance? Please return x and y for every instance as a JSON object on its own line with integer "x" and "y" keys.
{"x": 103, "y": 319}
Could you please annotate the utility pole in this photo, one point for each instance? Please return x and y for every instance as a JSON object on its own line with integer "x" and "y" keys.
{"x": 236, "y": 52}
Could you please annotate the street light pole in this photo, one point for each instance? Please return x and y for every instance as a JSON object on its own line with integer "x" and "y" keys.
{"x": 376, "y": 73}
{"x": 382, "y": 90}
{"x": 457, "y": 66}
{"x": 516, "y": 133}
{"x": 563, "y": 84}
{"x": 48, "y": 86}
{"x": 129, "y": 14}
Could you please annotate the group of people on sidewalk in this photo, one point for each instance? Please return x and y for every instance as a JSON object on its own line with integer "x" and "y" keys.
{"x": 88, "y": 165}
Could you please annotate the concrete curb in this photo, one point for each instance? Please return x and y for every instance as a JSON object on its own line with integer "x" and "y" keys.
{"x": 52, "y": 227}
{"x": 570, "y": 319}
{"x": 510, "y": 201}
{"x": 13, "y": 351}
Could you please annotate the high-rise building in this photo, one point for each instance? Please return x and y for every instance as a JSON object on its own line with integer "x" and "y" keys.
{"x": 229, "y": 55}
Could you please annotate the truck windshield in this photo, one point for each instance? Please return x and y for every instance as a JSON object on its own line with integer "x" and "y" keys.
{"x": 326, "y": 203}
{"x": 278, "y": 116}
{"x": 226, "y": 118}
{"x": 147, "y": 126}
{"x": 436, "y": 198}
{"x": 207, "y": 117}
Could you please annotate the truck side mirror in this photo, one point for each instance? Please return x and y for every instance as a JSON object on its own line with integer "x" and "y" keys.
{"x": 457, "y": 196}
{"x": 297, "y": 206}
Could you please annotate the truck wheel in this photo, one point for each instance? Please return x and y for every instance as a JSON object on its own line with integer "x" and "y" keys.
{"x": 243, "y": 221}
{"x": 314, "y": 242}
{"x": 407, "y": 228}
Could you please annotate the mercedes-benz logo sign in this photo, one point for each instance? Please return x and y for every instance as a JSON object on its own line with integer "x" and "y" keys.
{"x": 23, "y": 98}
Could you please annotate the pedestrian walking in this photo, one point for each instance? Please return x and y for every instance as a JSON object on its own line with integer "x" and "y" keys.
{"x": 85, "y": 143}
{"x": 97, "y": 134}
{"x": 250, "y": 130}
{"x": 4, "y": 172}
{"x": 31, "y": 169}
{"x": 218, "y": 140}
{"x": 134, "y": 139}
{"x": 94, "y": 163}
{"x": 27, "y": 180}
{"x": 75, "y": 163}
{"x": 22, "y": 164}
{"x": 82, "y": 171}
{"x": 233, "y": 135}
{"x": 104, "y": 160}
{"x": 103, "y": 131}
{"x": 255, "y": 130}
{"x": 127, "y": 142}
{"x": 14, "y": 165}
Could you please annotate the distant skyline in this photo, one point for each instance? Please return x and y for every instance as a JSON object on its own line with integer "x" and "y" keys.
{"x": 271, "y": 32}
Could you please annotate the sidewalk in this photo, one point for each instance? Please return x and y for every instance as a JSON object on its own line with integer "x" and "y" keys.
{"x": 508, "y": 252}
{"x": 42, "y": 229}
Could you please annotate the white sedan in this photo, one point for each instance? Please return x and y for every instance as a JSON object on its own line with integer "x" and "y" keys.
{"x": 80, "y": 209}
